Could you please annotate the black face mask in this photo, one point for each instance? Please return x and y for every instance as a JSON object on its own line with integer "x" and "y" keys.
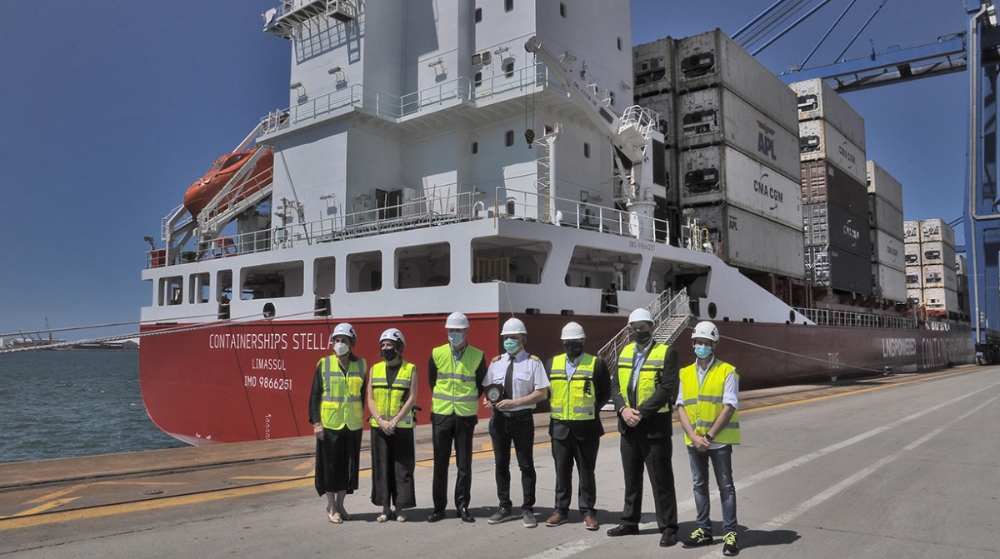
{"x": 641, "y": 338}
{"x": 388, "y": 354}
{"x": 573, "y": 349}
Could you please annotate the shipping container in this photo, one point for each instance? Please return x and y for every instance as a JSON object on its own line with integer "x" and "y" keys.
{"x": 936, "y": 252}
{"x": 941, "y": 299}
{"x": 829, "y": 224}
{"x": 887, "y": 250}
{"x": 653, "y": 65}
{"x": 819, "y": 140}
{"x": 663, "y": 104}
{"x": 884, "y": 216}
{"x": 717, "y": 115}
{"x": 915, "y": 296}
{"x": 747, "y": 240}
{"x": 914, "y": 277}
{"x": 721, "y": 174}
{"x": 937, "y": 275}
{"x": 882, "y": 184}
{"x": 840, "y": 269}
{"x": 936, "y": 230}
{"x": 822, "y": 182}
{"x": 816, "y": 99}
{"x": 713, "y": 59}
{"x": 912, "y": 254}
{"x": 888, "y": 283}
{"x": 911, "y": 231}
{"x": 961, "y": 265}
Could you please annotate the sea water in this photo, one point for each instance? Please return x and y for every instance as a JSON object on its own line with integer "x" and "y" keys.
{"x": 56, "y": 404}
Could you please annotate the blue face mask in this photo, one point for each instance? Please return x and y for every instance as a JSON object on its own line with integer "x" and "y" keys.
{"x": 511, "y": 346}
{"x": 703, "y": 351}
{"x": 456, "y": 338}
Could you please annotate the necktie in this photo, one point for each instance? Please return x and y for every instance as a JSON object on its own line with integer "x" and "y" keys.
{"x": 508, "y": 380}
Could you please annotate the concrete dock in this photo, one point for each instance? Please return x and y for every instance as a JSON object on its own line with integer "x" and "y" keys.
{"x": 884, "y": 467}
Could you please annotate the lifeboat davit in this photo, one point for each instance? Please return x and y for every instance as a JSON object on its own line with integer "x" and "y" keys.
{"x": 222, "y": 171}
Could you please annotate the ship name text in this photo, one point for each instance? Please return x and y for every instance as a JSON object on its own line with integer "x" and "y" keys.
{"x": 899, "y": 347}
{"x": 269, "y": 341}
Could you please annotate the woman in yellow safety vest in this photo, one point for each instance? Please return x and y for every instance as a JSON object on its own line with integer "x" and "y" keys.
{"x": 336, "y": 412}
{"x": 392, "y": 392}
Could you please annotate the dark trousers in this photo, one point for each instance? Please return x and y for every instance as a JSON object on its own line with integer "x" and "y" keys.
{"x": 584, "y": 453}
{"x": 518, "y": 428}
{"x": 393, "y": 461}
{"x": 450, "y": 429}
{"x": 653, "y": 454}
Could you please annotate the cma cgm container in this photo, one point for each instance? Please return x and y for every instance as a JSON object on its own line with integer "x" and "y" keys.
{"x": 936, "y": 252}
{"x": 839, "y": 269}
{"x": 721, "y": 174}
{"x": 911, "y": 232}
{"x": 888, "y": 283}
{"x": 819, "y": 140}
{"x": 912, "y": 254}
{"x": 887, "y": 250}
{"x": 914, "y": 277}
{"x": 884, "y": 185}
{"x": 943, "y": 299}
{"x": 817, "y": 100}
{"x": 828, "y": 224}
{"x": 653, "y": 65}
{"x": 939, "y": 276}
{"x": 717, "y": 115}
{"x": 884, "y": 216}
{"x": 936, "y": 230}
{"x": 746, "y": 240}
{"x": 663, "y": 104}
{"x": 713, "y": 59}
{"x": 822, "y": 182}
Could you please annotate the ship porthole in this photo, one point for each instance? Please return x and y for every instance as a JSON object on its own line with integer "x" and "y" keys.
{"x": 712, "y": 310}
{"x": 791, "y": 317}
{"x": 269, "y": 310}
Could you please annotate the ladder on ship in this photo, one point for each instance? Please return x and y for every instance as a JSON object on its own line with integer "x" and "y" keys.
{"x": 546, "y": 173}
{"x": 670, "y": 316}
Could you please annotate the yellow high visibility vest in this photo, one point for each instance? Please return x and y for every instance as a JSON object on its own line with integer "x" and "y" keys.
{"x": 569, "y": 399}
{"x": 704, "y": 404}
{"x": 647, "y": 374}
{"x": 455, "y": 390}
{"x": 342, "y": 404}
{"x": 389, "y": 398}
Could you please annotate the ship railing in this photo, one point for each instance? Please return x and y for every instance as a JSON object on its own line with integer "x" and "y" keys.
{"x": 830, "y": 317}
{"x": 671, "y": 314}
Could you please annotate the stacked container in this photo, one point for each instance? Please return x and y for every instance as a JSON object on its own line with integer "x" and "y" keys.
{"x": 885, "y": 221}
{"x": 737, "y": 138}
{"x": 835, "y": 216}
{"x": 653, "y": 65}
{"x": 932, "y": 278}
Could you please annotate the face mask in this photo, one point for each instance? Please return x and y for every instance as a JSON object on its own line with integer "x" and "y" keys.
{"x": 341, "y": 349}
{"x": 573, "y": 349}
{"x": 388, "y": 354}
{"x": 702, "y": 351}
{"x": 456, "y": 338}
{"x": 641, "y": 338}
{"x": 511, "y": 346}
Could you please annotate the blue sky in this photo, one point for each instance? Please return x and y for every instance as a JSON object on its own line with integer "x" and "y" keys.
{"x": 112, "y": 109}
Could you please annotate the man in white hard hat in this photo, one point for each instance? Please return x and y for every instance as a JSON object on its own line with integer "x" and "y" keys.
{"x": 456, "y": 371}
{"x": 643, "y": 390}
{"x": 580, "y": 386}
{"x": 524, "y": 383}
{"x": 707, "y": 408}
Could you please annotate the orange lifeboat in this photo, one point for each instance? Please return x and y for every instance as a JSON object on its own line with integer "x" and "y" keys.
{"x": 222, "y": 171}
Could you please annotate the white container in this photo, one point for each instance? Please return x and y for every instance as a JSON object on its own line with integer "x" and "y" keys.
{"x": 911, "y": 253}
{"x": 915, "y": 295}
{"x": 939, "y": 276}
{"x": 712, "y": 58}
{"x": 884, "y": 216}
{"x": 961, "y": 265}
{"x": 663, "y": 104}
{"x": 936, "y": 230}
{"x": 653, "y": 65}
{"x": 747, "y": 240}
{"x": 889, "y": 283}
{"x": 816, "y": 99}
{"x": 717, "y": 115}
{"x": 888, "y": 250}
{"x": 941, "y": 299}
{"x": 914, "y": 277}
{"x": 937, "y": 253}
{"x": 819, "y": 140}
{"x": 882, "y": 184}
{"x": 911, "y": 231}
{"x": 721, "y": 174}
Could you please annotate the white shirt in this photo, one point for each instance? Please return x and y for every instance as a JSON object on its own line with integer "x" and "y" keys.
{"x": 730, "y": 390}
{"x": 529, "y": 375}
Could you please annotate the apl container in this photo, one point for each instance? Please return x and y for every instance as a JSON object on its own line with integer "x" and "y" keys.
{"x": 941, "y": 299}
{"x": 816, "y": 99}
{"x": 888, "y": 283}
{"x": 936, "y": 230}
{"x": 883, "y": 185}
{"x": 747, "y": 240}
{"x": 839, "y": 269}
{"x": 653, "y": 65}
{"x": 912, "y": 254}
{"x": 819, "y": 140}
{"x": 825, "y": 224}
{"x": 937, "y": 253}
{"x": 722, "y": 174}
{"x": 822, "y": 182}
{"x": 884, "y": 216}
{"x": 937, "y": 275}
{"x": 887, "y": 250}
{"x": 713, "y": 59}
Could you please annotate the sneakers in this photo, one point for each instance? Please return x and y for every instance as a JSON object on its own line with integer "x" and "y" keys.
{"x": 529, "y": 519}
{"x": 701, "y": 537}
{"x": 556, "y": 519}
{"x": 501, "y": 515}
{"x": 729, "y": 547}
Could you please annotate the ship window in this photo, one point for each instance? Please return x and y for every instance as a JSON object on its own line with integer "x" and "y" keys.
{"x": 199, "y": 289}
{"x": 478, "y": 79}
{"x": 225, "y": 286}
{"x": 475, "y": 148}
{"x": 611, "y": 98}
{"x": 273, "y": 281}
{"x": 667, "y": 277}
{"x": 508, "y": 69}
{"x": 364, "y": 271}
{"x": 479, "y": 15}
{"x": 601, "y": 267}
{"x": 508, "y": 259}
{"x": 324, "y": 270}
{"x": 562, "y": 9}
{"x": 171, "y": 290}
{"x": 509, "y": 138}
{"x": 423, "y": 266}
{"x": 619, "y": 43}
{"x": 586, "y": 150}
{"x": 508, "y": 5}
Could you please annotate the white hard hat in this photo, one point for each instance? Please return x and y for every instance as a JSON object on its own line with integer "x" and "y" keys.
{"x": 456, "y": 321}
{"x": 343, "y": 329}
{"x": 394, "y": 335}
{"x": 705, "y": 330}
{"x": 573, "y": 331}
{"x": 640, "y": 315}
{"x": 513, "y": 326}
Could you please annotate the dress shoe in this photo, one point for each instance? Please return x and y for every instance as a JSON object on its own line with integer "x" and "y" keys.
{"x": 590, "y": 523}
{"x": 465, "y": 515}
{"x": 434, "y": 516}
{"x": 556, "y": 519}
{"x": 623, "y": 530}
{"x": 668, "y": 539}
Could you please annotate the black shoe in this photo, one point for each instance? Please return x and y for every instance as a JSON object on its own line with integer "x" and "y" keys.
{"x": 699, "y": 537}
{"x": 668, "y": 539}
{"x": 623, "y": 530}
{"x": 729, "y": 547}
{"x": 499, "y": 516}
{"x": 465, "y": 515}
{"x": 434, "y": 516}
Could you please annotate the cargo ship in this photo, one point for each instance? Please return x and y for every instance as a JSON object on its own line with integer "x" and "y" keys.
{"x": 490, "y": 160}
